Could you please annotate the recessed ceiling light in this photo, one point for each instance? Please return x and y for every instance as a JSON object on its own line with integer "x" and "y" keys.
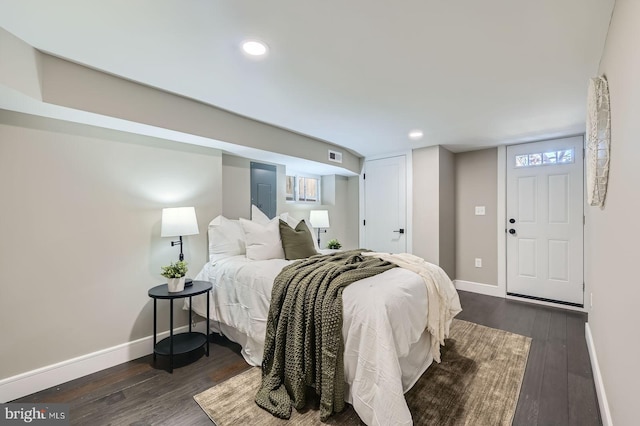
{"x": 254, "y": 48}
{"x": 416, "y": 134}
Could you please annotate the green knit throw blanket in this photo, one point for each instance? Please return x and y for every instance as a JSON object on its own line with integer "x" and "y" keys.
{"x": 303, "y": 342}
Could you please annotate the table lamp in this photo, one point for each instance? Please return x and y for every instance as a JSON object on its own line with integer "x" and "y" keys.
{"x": 178, "y": 222}
{"x": 319, "y": 219}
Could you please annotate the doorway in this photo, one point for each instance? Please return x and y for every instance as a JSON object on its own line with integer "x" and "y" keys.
{"x": 385, "y": 205}
{"x": 545, "y": 220}
{"x": 263, "y": 188}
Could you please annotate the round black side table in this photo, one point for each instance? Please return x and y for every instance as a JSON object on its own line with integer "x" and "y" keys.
{"x": 180, "y": 343}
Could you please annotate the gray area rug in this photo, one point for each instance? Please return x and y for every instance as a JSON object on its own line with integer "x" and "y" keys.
{"x": 477, "y": 383}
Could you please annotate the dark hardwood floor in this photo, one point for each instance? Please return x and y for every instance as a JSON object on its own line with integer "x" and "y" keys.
{"x": 558, "y": 387}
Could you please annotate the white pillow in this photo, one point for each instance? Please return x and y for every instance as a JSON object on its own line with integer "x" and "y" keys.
{"x": 258, "y": 216}
{"x": 226, "y": 238}
{"x": 263, "y": 241}
{"x": 291, "y": 221}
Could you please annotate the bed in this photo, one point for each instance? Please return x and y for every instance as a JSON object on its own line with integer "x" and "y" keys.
{"x": 386, "y": 343}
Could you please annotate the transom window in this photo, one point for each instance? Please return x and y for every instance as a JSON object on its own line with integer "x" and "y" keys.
{"x": 303, "y": 189}
{"x": 549, "y": 158}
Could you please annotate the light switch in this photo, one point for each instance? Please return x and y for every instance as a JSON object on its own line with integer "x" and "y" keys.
{"x": 479, "y": 210}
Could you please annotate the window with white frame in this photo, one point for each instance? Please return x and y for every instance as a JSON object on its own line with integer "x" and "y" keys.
{"x": 303, "y": 189}
{"x": 549, "y": 158}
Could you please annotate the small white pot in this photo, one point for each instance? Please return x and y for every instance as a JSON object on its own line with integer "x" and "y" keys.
{"x": 175, "y": 284}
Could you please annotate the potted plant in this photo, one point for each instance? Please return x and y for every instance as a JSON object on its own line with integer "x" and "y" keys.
{"x": 334, "y": 244}
{"x": 175, "y": 273}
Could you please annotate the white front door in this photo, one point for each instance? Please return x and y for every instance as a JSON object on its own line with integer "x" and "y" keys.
{"x": 545, "y": 199}
{"x": 385, "y": 205}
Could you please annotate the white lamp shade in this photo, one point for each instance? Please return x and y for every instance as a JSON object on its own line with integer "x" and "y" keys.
{"x": 178, "y": 221}
{"x": 319, "y": 218}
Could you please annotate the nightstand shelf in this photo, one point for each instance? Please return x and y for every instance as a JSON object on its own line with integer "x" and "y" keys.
{"x": 180, "y": 343}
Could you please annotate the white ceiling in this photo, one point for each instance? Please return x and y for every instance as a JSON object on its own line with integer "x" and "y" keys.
{"x": 357, "y": 73}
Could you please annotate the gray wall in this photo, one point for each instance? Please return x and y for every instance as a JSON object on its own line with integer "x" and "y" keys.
{"x": 80, "y": 222}
{"x": 447, "y": 210}
{"x": 20, "y": 67}
{"x": 476, "y": 236}
{"x": 426, "y": 203}
{"x": 236, "y": 187}
{"x": 612, "y": 233}
{"x": 433, "y": 206}
{"x": 352, "y": 229}
{"x": 67, "y": 84}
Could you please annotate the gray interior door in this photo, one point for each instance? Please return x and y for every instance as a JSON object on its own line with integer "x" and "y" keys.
{"x": 263, "y": 188}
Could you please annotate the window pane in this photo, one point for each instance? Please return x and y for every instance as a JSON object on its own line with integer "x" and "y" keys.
{"x": 549, "y": 158}
{"x": 311, "y": 189}
{"x": 565, "y": 156}
{"x": 522, "y": 160}
{"x": 301, "y": 196}
{"x": 535, "y": 159}
{"x": 290, "y": 187}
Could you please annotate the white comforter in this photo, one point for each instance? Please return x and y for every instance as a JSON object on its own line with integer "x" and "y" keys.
{"x": 387, "y": 347}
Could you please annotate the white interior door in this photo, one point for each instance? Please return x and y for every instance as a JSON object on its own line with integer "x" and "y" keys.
{"x": 545, "y": 199}
{"x": 385, "y": 205}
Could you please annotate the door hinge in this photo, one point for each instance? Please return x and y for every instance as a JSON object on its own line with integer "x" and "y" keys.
{"x": 584, "y": 220}
{"x": 583, "y": 287}
{"x": 364, "y": 223}
{"x": 364, "y": 176}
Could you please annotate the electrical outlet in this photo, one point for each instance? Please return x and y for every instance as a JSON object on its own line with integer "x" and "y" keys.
{"x": 478, "y": 262}
{"x": 480, "y": 211}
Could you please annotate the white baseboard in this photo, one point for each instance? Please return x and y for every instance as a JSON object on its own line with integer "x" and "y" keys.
{"x": 51, "y": 375}
{"x": 605, "y": 413}
{"x": 487, "y": 289}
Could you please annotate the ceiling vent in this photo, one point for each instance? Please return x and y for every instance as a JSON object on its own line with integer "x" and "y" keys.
{"x": 335, "y": 156}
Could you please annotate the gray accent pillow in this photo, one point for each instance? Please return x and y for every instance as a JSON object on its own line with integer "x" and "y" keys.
{"x": 297, "y": 243}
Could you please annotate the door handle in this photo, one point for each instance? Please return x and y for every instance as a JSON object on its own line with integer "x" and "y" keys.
{"x": 512, "y": 231}
{"x": 400, "y": 231}
{"x": 512, "y": 220}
